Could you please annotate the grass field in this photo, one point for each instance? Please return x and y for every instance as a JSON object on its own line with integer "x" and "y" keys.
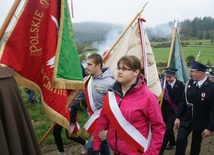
{"x": 42, "y": 123}
{"x": 205, "y": 46}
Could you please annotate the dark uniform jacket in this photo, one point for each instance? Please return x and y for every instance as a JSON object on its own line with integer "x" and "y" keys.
{"x": 201, "y": 113}
{"x": 175, "y": 94}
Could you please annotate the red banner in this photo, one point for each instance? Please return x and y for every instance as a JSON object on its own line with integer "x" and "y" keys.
{"x": 30, "y": 49}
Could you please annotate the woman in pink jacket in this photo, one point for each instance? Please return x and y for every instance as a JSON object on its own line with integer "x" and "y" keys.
{"x": 131, "y": 116}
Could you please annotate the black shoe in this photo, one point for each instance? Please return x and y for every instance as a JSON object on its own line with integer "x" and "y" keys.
{"x": 169, "y": 147}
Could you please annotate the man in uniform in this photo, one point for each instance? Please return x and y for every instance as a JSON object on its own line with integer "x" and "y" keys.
{"x": 211, "y": 76}
{"x": 196, "y": 110}
{"x": 173, "y": 94}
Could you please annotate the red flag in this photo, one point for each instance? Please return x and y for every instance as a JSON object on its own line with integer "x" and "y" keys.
{"x": 30, "y": 47}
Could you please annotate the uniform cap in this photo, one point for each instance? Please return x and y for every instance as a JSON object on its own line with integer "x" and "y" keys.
{"x": 212, "y": 73}
{"x": 198, "y": 66}
{"x": 170, "y": 71}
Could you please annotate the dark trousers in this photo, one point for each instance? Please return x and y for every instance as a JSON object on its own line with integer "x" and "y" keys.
{"x": 168, "y": 136}
{"x": 172, "y": 141}
{"x": 104, "y": 148}
{"x": 182, "y": 140}
{"x": 58, "y": 139}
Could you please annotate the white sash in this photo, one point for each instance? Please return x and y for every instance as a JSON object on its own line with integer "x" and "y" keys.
{"x": 128, "y": 128}
{"x": 91, "y": 101}
{"x": 72, "y": 127}
{"x": 92, "y": 119}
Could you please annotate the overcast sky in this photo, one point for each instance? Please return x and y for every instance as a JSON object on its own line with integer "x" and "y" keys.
{"x": 123, "y": 11}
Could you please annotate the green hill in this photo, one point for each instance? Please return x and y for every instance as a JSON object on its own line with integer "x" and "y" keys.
{"x": 189, "y": 47}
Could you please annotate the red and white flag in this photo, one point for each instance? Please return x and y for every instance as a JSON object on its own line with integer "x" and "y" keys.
{"x": 34, "y": 46}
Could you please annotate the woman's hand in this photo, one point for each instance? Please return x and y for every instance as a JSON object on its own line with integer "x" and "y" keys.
{"x": 102, "y": 135}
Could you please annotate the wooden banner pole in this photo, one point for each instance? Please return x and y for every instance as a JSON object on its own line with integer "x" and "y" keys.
{"x": 8, "y": 18}
{"x": 47, "y": 133}
{"x": 7, "y": 71}
{"x": 198, "y": 56}
{"x": 169, "y": 59}
{"x": 123, "y": 33}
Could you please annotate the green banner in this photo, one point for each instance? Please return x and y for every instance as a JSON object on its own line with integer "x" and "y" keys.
{"x": 67, "y": 64}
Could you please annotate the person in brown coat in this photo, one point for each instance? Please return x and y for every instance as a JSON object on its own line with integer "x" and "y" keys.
{"x": 16, "y": 129}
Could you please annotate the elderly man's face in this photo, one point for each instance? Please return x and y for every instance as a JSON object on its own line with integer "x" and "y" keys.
{"x": 194, "y": 74}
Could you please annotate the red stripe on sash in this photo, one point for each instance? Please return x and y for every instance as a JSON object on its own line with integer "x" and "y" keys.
{"x": 91, "y": 129}
{"x": 173, "y": 106}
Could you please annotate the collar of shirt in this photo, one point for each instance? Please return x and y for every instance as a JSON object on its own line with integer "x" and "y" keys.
{"x": 173, "y": 83}
{"x": 201, "y": 82}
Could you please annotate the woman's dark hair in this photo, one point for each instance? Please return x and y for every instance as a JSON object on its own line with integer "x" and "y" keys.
{"x": 132, "y": 62}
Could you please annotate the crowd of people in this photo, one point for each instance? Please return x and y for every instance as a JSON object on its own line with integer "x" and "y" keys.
{"x": 124, "y": 116}
{"x": 174, "y": 90}
{"x": 132, "y": 98}
{"x": 190, "y": 110}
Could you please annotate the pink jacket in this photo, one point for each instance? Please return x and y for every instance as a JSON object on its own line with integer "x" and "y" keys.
{"x": 140, "y": 107}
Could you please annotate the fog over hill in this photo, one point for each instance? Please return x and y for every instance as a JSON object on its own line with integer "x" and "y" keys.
{"x": 93, "y": 31}
{"x": 89, "y": 31}
{"x": 103, "y": 35}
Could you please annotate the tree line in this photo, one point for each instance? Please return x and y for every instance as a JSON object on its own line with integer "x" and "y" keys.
{"x": 198, "y": 28}
{"x": 201, "y": 28}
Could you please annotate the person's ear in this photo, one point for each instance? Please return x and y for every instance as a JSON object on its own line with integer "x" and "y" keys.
{"x": 98, "y": 65}
{"x": 137, "y": 72}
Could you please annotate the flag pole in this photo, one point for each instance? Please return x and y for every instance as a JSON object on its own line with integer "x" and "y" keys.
{"x": 72, "y": 96}
{"x": 172, "y": 43}
{"x": 8, "y": 18}
{"x": 124, "y": 32}
{"x": 169, "y": 59}
{"x": 198, "y": 56}
{"x": 7, "y": 71}
{"x": 47, "y": 133}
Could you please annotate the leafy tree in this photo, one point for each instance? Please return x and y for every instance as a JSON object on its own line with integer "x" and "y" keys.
{"x": 189, "y": 59}
{"x": 207, "y": 23}
{"x": 161, "y": 64}
{"x": 210, "y": 34}
{"x": 80, "y": 48}
{"x": 209, "y": 63}
{"x": 196, "y": 25}
{"x": 197, "y": 28}
{"x": 186, "y": 28}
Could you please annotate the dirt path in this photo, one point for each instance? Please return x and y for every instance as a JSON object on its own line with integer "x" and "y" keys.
{"x": 75, "y": 149}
